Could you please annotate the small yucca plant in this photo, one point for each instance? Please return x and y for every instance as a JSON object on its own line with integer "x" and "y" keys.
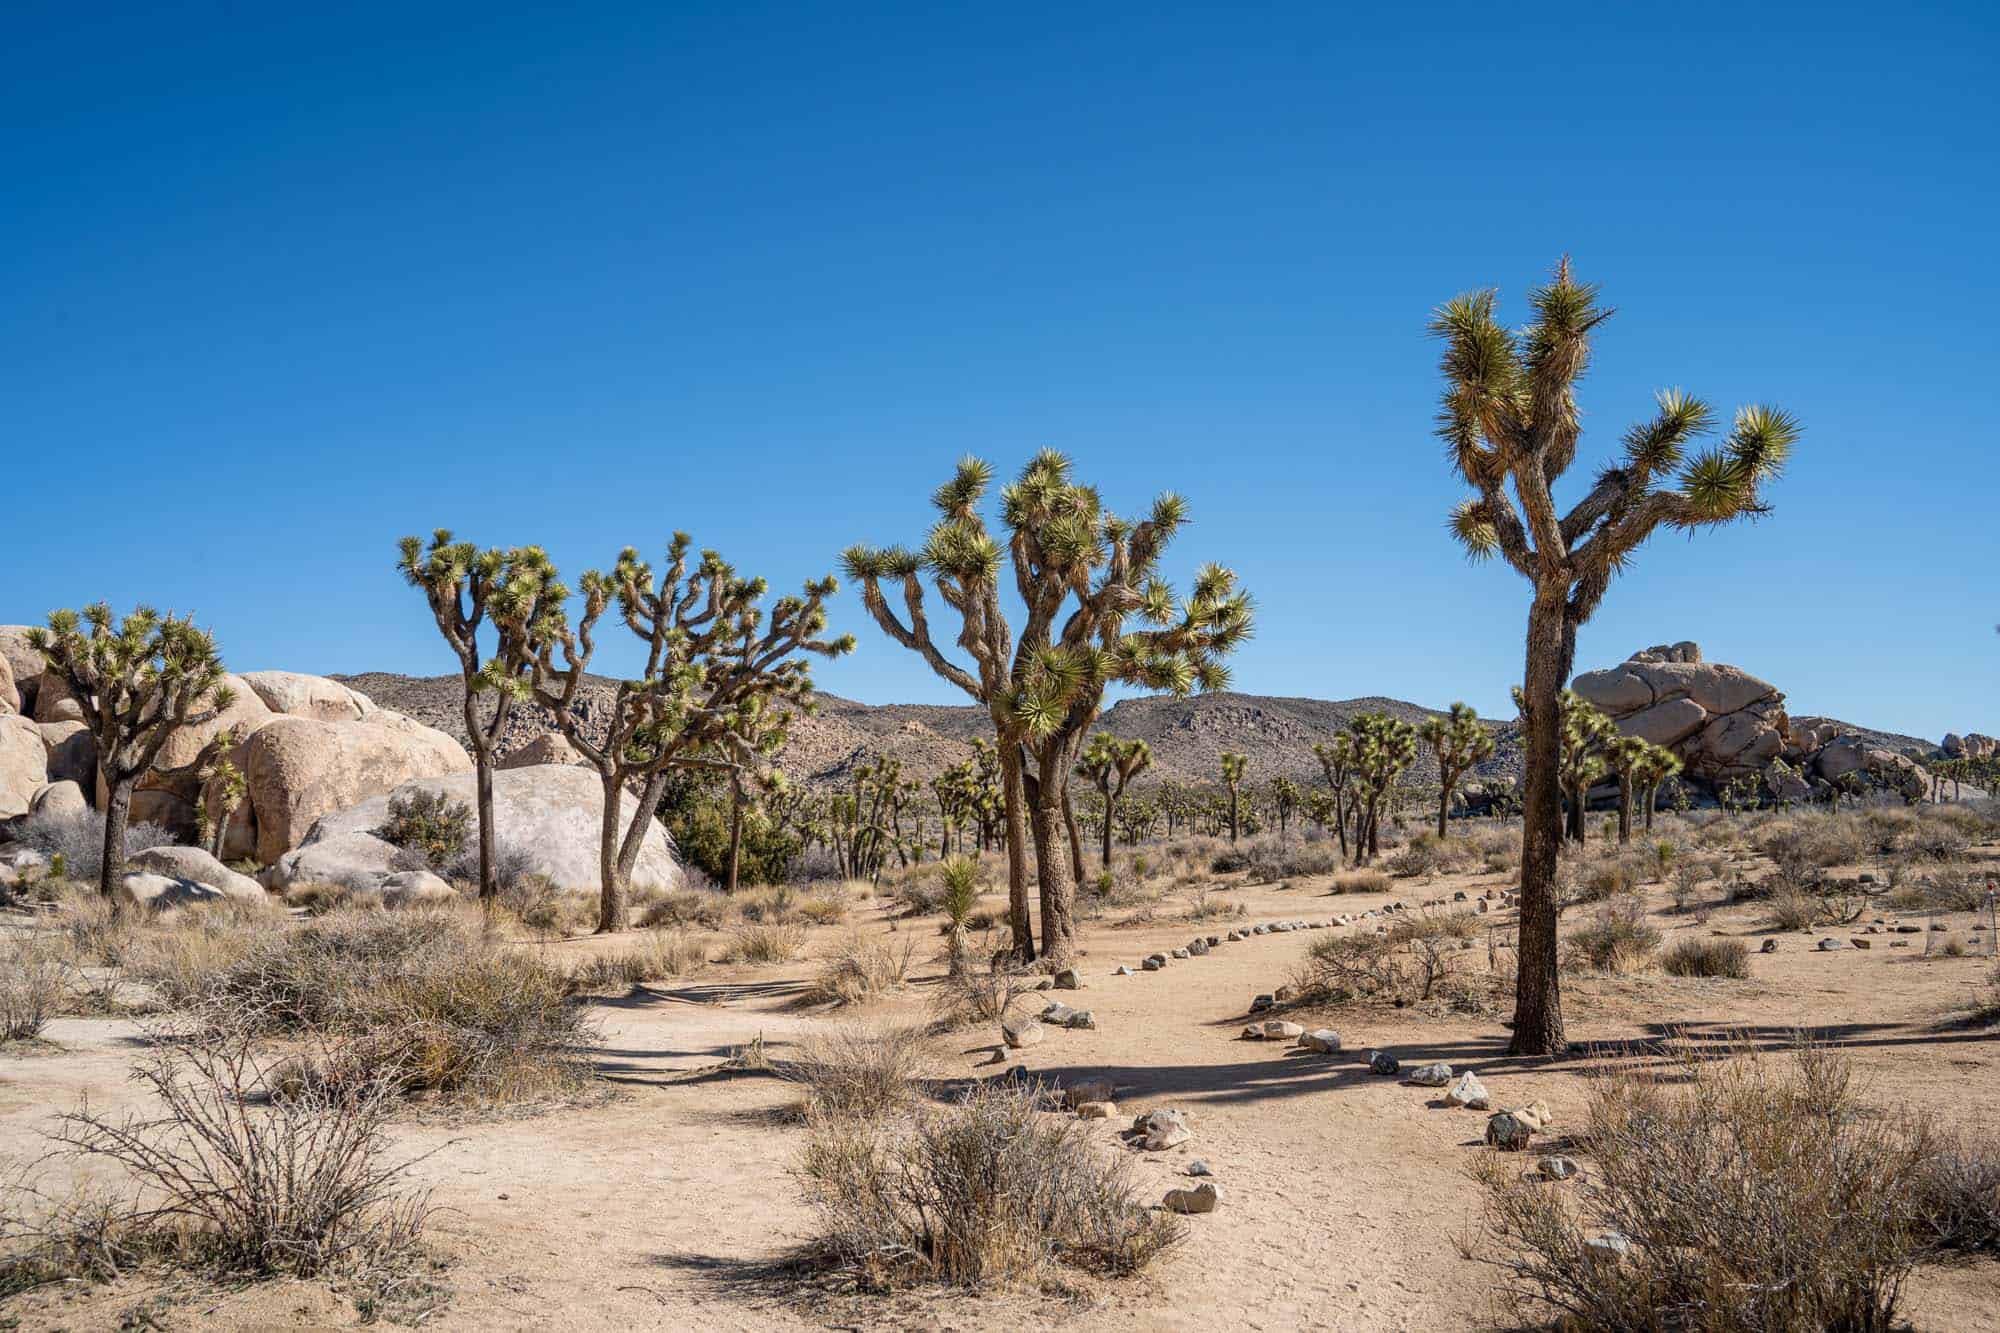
{"x": 960, "y": 877}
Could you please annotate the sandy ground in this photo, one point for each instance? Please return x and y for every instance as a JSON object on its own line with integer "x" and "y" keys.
{"x": 1345, "y": 1195}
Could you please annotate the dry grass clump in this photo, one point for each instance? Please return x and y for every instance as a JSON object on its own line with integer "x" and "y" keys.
{"x": 35, "y": 976}
{"x": 1794, "y": 909}
{"x": 422, "y": 997}
{"x": 1618, "y": 940}
{"x": 1708, "y": 957}
{"x": 765, "y": 943}
{"x": 1427, "y": 854}
{"x": 1423, "y": 959}
{"x": 654, "y": 955}
{"x": 694, "y": 908}
{"x": 546, "y": 908}
{"x": 1605, "y": 878}
{"x": 1368, "y": 880}
{"x": 1750, "y": 1197}
{"x": 983, "y": 1192}
{"x": 859, "y": 1072}
{"x": 227, "y": 1179}
{"x": 319, "y": 897}
{"x": 859, "y": 970}
{"x": 1802, "y": 842}
{"x": 977, "y": 997}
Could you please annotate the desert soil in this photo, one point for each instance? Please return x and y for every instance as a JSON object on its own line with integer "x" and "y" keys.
{"x": 1345, "y": 1196}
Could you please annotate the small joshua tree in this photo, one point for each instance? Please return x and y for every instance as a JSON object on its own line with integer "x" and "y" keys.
{"x": 1336, "y": 762}
{"x": 1383, "y": 749}
{"x": 1509, "y": 420}
{"x": 1459, "y": 740}
{"x": 1285, "y": 798}
{"x": 712, "y": 659}
{"x": 518, "y": 594}
{"x": 1111, "y": 764}
{"x": 1233, "y": 768}
{"x": 137, "y": 682}
{"x": 1657, "y": 764}
{"x": 222, "y": 789}
{"x": 959, "y": 876}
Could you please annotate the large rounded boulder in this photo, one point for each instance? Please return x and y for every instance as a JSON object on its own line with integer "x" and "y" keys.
{"x": 299, "y": 769}
{"x": 24, "y": 763}
{"x": 1722, "y": 721}
{"x": 296, "y": 694}
{"x": 22, "y": 666}
{"x": 548, "y": 814}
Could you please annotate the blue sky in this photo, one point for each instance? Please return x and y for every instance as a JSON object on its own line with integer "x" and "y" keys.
{"x": 285, "y": 282}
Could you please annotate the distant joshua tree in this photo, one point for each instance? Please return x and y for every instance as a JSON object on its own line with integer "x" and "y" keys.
{"x": 712, "y": 657}
{"x": 1383, "y": 750}
{"x": 1285, "y": 798}
{"x": 1111, "y": 764}
{"x": 1509, "y": 420}
{"x": 137, "y": 682}
{"x": 517, "y": 593}
{"x": 1459, "y": 740}
{"x": 1045, "y": 690}
{"x": 1233, "y": 768}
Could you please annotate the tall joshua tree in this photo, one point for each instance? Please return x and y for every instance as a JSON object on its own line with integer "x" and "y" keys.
{"x": 1233, "y": 768}
{"x": 1459, "y": 740}
{"x": 1111, "y": 764}
{"x": 137, "y": 682}
{"x": 1383, "y": 749}
{"x": 1081, "y": 573}
{"x": 713, "y": 660}
{"x": 1509, "y": 418}
{"x": 515, "y": 592}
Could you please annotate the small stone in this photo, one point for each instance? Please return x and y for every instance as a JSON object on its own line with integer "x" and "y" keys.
{"x": 1181, "y": 953}
{"x": 1459, "y": 897}
{"x": 1197, "y": 947}
{"x": 1253, "y": 1032}
{"x": 1610, "y": 1247}
{"x": 1279, "y": 1030}
{"x": 1468, "y": 1092}
{"x": 1233, "y": 936}
{"x": 1508, "y": 1132}
{"x": 1199, "y": 1168}
{"x": 1432, "y": 1075}
{"x": 1908, "y": 930}
{"x": 1867, "y": 879}
{"x": 1829, "y": 944}
{"x": 1770, "y": 944}
{"x": 1536, "y": 1115}
{"x": 1057, "y": 1014}
{"x": 1154, "y": 962}
{"x": 1096, "y": 1110}
{"x": 1214, "y": 940}
{"x": 1939, "y": 925}
{"x": 1121, "y": 971}
{"x": 1558, "y": 1168}
{"x": 1158, "y": 1130}
{"x": 1081, "y": 1020}
{"x": 1260, "y": 929}
{"x": 1262, "y": 1002}
{"x": 1022, "y": 1032}
{"x": 1323, "y": 1040}
{"x": 1088, "y": 1090}
{"x": 1046, "y": 983}
{"x": 1899, "y": 944}
{"x": 1201, "y": 1199}
{"x": 1381, "y": 1062}
{"x": 1861, "y": 942}
{"x": 1067, "y": 979}
{"x": 1480, "y": 907}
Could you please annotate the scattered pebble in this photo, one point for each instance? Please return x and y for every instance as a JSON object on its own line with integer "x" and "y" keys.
{"x": 1203, "y": 1198}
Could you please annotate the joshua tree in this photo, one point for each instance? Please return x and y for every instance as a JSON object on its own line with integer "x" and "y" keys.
{"x": 1044, "y": 690}
{"x": 1587, "y": 735}
{"x": 1111, "y": 764}
{"x": 1656, "y": 767}
{"x": 712, "y": 659}
{"x": 1336, "y": 761}
{"x": 1285, "y": 798}
{"x": 518, "y": 593}
{"x": 1459, "y": 741}
{"x": 137, "y": 682}
{"x": 960, "y": 878}
{"x": 1510, "y": 418}
{"x": 1233, "y": 767}
{"x": 1383, "y": 749}
{"x": 222, "y": 788}
{"x": 1629, "y": 757}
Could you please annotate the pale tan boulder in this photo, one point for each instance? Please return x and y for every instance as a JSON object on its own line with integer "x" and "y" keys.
{"x": 194, "y": 864}
{"x": 1722, "y": 721}
{"x": 59, "y": 800}
{"x": 23, "y": 664}
{"x": 53, "y": 701}
{"x": 296, "y": 694}
{"x": 24, "y": 763}
{"x": 158, "y": 893}
{"x": 72, "y": 753}
{"x": 417, "y": 888}
{"x": 10, "y": 694}
{"x": 551, "y": 747}
{"x": 299, "y": 770}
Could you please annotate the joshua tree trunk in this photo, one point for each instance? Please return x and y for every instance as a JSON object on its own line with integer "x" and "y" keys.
{"x": 1232, "y": 814}
{"x": 1052, "y": 861}
{"x": 1624, "y": 809}
{"x": 1110, "y": 810}
{"x": 611, "y": 891}
{"x": 1013, "y": 788}
{"x": 1075, "y": 840}
{"x": 1538, "y": 1018}
{"x": 1444, "y": 808}
{"x": 1652, "y": 798}
{"x": 117, "y": 814}
{"x": 735, "y": 833}
{"x": 489, "y": 881}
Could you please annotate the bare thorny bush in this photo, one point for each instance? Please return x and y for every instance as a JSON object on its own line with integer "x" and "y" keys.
{"x": 1751, "y": 1197}
{"x": 981, "y": 1191}
{"x": 236, "y": 1173}
{"x": 1425, "y": 959}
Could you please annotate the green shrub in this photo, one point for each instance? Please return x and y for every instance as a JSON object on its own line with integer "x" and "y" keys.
{"x": 429, "y": 824}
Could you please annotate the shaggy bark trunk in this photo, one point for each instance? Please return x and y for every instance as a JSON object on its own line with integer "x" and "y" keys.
{"x": 1232, "y": 814}
{"x": 1075, "y": 840}
{"x": 1014, "y": 793}
{"x": 1538, "y": 1019}
{"x": 1110, "y": 809}
{"x": 1624, "y": 810}
{"x": 1652, "y": 799}
{"x": 489, "y": 882}
{"x": 117, "y": 814}
{"x": 1444, "y": 806}
{"x": 735, "y": 834}
{"x": 611, "y": 888}
{"x": 1052, "y": 863}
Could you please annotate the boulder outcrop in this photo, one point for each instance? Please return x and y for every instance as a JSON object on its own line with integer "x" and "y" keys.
{"x": 24, "y": 763}
{"x": 296, "y": 694}
{"x": 24, "y": 667}
{"x": 299, "y": 769}
{"x": 1972, "y": 745}
{"x": 1722, "y": 721}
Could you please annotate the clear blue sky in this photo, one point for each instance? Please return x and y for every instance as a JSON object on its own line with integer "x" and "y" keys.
{"x": 283, "y": 282}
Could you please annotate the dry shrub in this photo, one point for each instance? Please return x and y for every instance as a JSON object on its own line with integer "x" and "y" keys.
{"x": 548, "y": 909}
{"x": 1752, "y": 1198}
{"x": 236, "y": 1181}
{"x": 1269, "y": 860}
{"x": 776, "y": 905}
{"x": 1427, "y": 854}
{"x": 765, "y": 943}
{"x": 1930, "y": 838}
{"x": 96, "y": 933}
{"x": 1609, "y": 877}
{"x": 1619, "y": 939}
{"x": 421, "y": 996}
{"x": 1959, "y": 1193}
{"x": 1708, "y": 957}
{"x": 319, "y": 897}
{"x": 859, "y": 970}
{"x": 1799, "y": 843}
{"x": 35, "y": 977}
{"x": 703, "y": 908}
{"x": 1794, "y": 909}
{"x": 1421, "y": 959}
{"x": 982, "y": 1192}
{"x": 653, "y": 956}
{"x": 859, "y": 1072}
{"x": 823, "y": 909}
{"x": 1360, "y": 881}
{"x": 982, "y": 997}
{"x": 179, "y": 957}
